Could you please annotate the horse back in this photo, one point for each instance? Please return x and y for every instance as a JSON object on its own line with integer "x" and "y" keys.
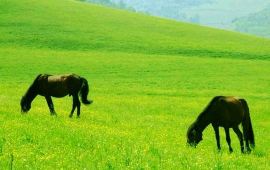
{"x": 59, "y": 85}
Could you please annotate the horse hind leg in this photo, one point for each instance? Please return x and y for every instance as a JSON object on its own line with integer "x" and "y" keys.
{"x": 78, "y": 106}
{"x": 228, "y": 138}
{"x": 240, "y": 137}
{"x": 246, "y": 137}
{"x": 74, "y": 105}
{"x": 50, "y": 105}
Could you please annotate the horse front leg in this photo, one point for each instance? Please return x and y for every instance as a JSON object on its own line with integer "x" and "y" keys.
{"x": 217, "y": 136}
{"x": 228, "y": 138}
{"x": 50, "y": 105}
{"x": 240, "y": 137}
{"x": 74, "y": 104}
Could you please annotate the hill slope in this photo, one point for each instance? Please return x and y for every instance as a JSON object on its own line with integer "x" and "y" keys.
{"x": 72, "y": 25}
{"x": 213, "y": 13}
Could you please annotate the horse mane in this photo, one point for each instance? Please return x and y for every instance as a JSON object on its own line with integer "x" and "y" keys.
{"x": 209, "y": 106}
{"x": 32, "y": 86}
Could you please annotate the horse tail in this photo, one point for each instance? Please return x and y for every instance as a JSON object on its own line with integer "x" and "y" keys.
{"x": 84, "y": 91}
{"x": 247, "y": 126}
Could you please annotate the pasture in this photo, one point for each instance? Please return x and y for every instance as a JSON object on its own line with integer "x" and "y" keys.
{"x": 146, "y": 92}
{"x": 138, "y": 119}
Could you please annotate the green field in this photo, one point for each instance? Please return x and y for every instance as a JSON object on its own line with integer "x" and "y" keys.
{"x": 149, "y": 79}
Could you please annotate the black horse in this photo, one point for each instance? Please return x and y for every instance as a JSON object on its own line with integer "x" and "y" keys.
{"x": 57, "y": 86}
{"x": 227, "y": 112}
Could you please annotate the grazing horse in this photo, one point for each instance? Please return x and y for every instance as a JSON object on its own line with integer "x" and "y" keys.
{"x": 227, "y": 112}
{"x": 57, "y": 86}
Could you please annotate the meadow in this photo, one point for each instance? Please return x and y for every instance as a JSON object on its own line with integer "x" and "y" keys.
{"x": 149, "y": 80}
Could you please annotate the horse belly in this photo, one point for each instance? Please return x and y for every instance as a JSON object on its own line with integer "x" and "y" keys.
{"x": 229, "y": 124}
{"x": 57, "y": 88}
{"x": 230, "y": 116}
{"x": 58, "y": 92}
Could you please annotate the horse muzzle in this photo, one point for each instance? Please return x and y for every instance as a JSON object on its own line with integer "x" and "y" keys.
{"x": 191, "y": 144}
{"x": 24, "y": 111}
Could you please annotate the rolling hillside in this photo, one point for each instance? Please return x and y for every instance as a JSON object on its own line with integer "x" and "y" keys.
{"x": 213, "y": 13}
{"x": 79, "y": 26}
{"x": 149, "y": 79}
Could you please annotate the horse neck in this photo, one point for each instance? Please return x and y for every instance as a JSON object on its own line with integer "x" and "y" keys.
{"x": 31, "y": 93}
{"x": 203, "y": 121}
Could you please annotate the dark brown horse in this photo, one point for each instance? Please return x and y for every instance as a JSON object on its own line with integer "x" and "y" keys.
{"x": 57, "y": 86}
{"x": 227, "y": 112}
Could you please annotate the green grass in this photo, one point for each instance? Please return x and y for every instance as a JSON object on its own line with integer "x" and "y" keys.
{"x": 149, "y": 80}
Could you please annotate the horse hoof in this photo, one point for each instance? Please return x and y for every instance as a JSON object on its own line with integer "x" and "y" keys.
{"x": 248, "y": 150}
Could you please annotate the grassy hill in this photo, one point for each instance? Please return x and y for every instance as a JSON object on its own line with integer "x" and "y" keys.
{"x": 149, "y": 79}
{"x": 73, "y": 25}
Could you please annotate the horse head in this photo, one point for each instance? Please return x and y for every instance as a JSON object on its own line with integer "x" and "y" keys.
{"x": 193, "y": 136}
{"x": 25, "y": 105}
